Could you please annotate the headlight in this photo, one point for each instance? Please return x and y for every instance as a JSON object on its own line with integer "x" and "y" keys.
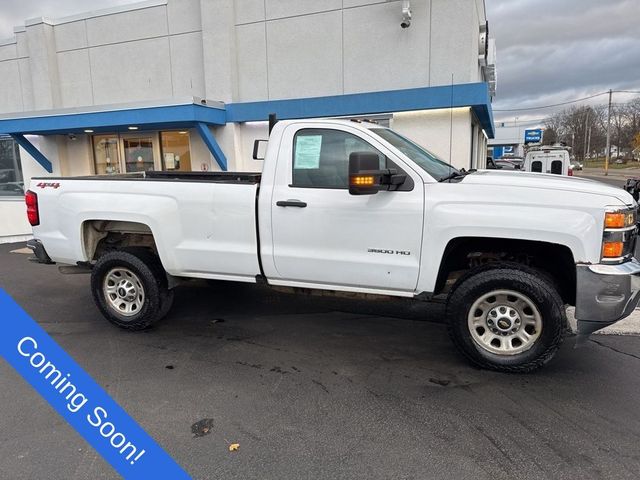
{"x": 623, "y": 219}
{"x": 619, "y": 236}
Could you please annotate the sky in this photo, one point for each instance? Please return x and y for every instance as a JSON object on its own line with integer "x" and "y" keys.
{"x": 552, "y": 51}
{"x": 548, "y": 51}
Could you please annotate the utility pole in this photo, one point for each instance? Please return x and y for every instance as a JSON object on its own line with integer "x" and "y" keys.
{"x": 589, "y": 143}
{"x": 586, "y": 124}
{"x": 608, "y": 152}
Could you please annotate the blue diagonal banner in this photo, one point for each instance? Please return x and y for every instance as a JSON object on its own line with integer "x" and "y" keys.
{"x": 79, "y": 399}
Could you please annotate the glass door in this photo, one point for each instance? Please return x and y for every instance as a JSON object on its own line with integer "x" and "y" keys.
{"x": 106, "y": 154}
{"x": 140, "y": 152}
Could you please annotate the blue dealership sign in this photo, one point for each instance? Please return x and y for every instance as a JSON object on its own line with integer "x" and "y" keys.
{"x": 533, "y": 135}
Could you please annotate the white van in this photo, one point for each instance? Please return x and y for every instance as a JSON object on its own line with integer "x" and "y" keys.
{"x": 554, "y": 160}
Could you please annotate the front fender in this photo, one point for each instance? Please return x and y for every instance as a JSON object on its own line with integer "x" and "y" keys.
{"x": 579, "y": 230}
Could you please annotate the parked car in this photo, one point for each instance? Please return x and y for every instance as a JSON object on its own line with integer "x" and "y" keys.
{"x": 506, "y": 165}
{"x": 501, "y": 165}
{"x": 519, "y": 161}
{"x": 632, "y": 185}
{"x": 356, "y": 207}
{"x": 577, "y": 166}
{"x": 554, "y": 160}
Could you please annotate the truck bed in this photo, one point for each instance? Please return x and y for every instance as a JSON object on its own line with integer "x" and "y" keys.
{"x": 203, "y": 223}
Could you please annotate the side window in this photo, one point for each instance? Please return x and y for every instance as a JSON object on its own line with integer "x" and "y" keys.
{"x": 321, "y": 157}
{"x": 536, "y": 166}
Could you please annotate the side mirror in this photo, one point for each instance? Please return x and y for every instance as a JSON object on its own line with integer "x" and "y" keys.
{"x": 259, "y": 149}
{"x": 366, "y": 178}
{"x": 364, "y": 173}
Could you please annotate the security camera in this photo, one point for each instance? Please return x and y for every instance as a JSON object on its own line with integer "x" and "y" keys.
{"x": 406, "y": 14}
{"x": 71, "y": 136}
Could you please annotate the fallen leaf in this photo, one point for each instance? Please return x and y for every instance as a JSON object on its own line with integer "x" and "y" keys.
{"x": 233, "y": 447}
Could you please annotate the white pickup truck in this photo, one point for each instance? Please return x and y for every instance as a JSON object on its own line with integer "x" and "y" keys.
{"x": 355, "y": 207}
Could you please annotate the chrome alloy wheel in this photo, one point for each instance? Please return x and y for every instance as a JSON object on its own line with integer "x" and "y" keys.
{"x": 504, "y": 322}
{"x": 123, "y": 291}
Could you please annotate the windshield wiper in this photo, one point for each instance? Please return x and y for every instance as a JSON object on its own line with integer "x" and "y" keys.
{"x": 458, "y": 174}
{"x": 455, "y": 174}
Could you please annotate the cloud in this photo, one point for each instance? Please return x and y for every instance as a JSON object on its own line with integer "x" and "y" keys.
{"x": 550, "y": 51}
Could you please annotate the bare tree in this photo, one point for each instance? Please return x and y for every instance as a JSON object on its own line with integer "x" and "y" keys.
{"x": 582, "y": 126}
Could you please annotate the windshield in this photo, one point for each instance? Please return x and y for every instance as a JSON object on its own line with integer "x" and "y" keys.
{"x": 428, "y": 161}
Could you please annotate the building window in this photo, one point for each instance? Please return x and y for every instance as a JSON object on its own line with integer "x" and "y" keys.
{"x": 141, "y": 152}
{"x": 105, "y": 153}
{"x": 11, "y": 180}
{"x": 138, "y": 153}
{"x": 176, "y": 154}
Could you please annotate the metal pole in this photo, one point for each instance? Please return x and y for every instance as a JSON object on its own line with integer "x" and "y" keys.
{"x": 608, "y": 152}
{"x": 584, "y": 149}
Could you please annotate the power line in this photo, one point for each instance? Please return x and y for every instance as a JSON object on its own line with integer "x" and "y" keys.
{"x": 563, "y": 103}
{"x": 551, "y": 105}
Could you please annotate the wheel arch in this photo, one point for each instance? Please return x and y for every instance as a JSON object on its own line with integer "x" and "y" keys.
{"x": 464, "y": 253}
{"x": 101, "y": 236}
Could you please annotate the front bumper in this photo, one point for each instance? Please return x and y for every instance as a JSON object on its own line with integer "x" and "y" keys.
{"x": 606, "y": 294}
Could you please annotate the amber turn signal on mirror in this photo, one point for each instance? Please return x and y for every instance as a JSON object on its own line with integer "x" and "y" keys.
{"x": 362, "y": 180}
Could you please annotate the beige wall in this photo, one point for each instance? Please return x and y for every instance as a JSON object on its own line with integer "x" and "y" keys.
{"x": 237, "y": 50}
{"x": 432, "y": 129}
{"x": 240, "y": 50}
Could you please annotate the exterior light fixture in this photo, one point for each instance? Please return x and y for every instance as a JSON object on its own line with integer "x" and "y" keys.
{"x": 132, "y": 128}
{"x": 88, "y": 130}
{"x": 183, "y": 132}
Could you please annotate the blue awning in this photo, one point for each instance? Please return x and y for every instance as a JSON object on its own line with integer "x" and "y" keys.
{"x": 201, "y": 114}
{"x": 113, "y": 118}
{"x": 117, "y": 118}
{"x": 473, "y": 95}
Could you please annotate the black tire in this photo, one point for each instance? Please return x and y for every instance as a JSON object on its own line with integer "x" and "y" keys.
{"x": 152, "y": 281}
{"x": 526, "y": 281}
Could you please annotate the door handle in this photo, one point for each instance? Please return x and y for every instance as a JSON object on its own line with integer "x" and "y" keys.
{"x": 291, "y": 203}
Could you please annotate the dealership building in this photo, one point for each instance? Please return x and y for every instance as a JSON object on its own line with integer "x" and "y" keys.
{"x": 188, "y": 85}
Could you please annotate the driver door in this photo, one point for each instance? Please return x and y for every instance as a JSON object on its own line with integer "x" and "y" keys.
{"x": 324, "y": 236}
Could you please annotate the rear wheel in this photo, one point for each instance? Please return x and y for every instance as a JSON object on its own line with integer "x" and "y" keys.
{"x": 506, "y": 317}
{"x": 130, "y": 288}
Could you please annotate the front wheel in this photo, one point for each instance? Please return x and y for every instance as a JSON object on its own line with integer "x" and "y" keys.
{"x": 506, "y": 317}
{"x": 130, "y": 288}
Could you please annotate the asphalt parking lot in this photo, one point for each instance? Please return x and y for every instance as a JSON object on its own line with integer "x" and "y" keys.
{"x": 317, "y": 387}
